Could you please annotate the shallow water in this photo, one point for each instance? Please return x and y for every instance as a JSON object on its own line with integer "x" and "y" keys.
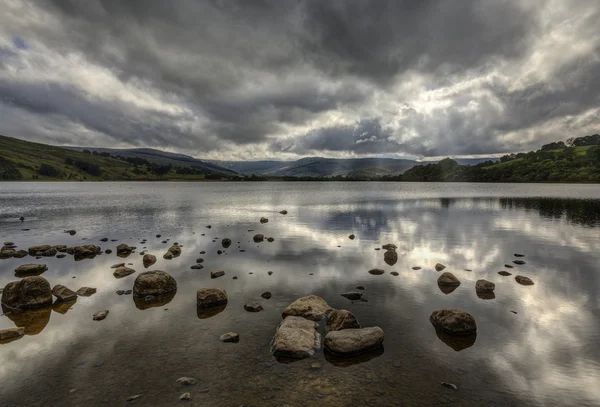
{"x": 544, "y": 355}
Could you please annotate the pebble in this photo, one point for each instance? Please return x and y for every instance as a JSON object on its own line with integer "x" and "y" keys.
{"x": 185, "y": 397}
{"x": 187, "y": 381}
{"x": 131, "y": 398}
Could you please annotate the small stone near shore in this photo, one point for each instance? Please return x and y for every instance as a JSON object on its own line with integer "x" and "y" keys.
{"x": 350, "y": 342}
{"x": 86, "y": 291}
{"x": 454, "y": 322}
{"x": 266, "y": 295}
{"x": 63, "y": 294}
{"x": 376, "y": 272}
{"x": 211, "y": 297}
{"x": 504, "y": 273}
{"x": 100, "y": 315}
{"x": 253, "y": 306}
{"x": 523, "y": 280}
{"x": 217, "y": 273}
{"x": 185, "y": 397}
{"x": 448, "y": 279}
{"x": 352, "y": 295}
{"x": 187, "y": 381}
{"x": 231, "y": 337}
{"x": 439, "y": 267}
{"x": 484, "y": 286}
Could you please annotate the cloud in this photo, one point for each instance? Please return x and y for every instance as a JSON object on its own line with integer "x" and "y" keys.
{"x": 281, "y": 79}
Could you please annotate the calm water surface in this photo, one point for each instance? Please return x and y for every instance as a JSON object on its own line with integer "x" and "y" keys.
{"x": 545, "y": 354}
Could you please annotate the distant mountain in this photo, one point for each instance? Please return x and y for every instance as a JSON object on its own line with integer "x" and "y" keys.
{"x": 162, "y": 158}
{"x": 321, "y": 167}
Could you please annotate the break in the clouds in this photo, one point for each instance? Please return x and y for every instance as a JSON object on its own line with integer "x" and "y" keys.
{"x": 235, "y": 79}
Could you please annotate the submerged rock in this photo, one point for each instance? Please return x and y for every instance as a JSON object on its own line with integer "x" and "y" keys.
{"x": 448, "y": 279}
{"x": 455, "y": 342}
{"x": 62, "y": 293}
{"x": 484, "y": 286}
{"x": 439, "y": 267}
{"x": 454, "y": 322}
{"x": 353, "y": 341}
{"x": 519, "y": 262}
{"x": 100, "y": 315}
{"x": 27, "y": 293}
{"x": 85, "y": 291}
{"x": 230, "y": 337}
{"x": 124, "y": 249}
{"x": 226, "y": 242}
{"x": 31, "y": 269}
{"x": 264, "y": 220}
{"x": 123, "y": 271}
{"x": 211, "y": 297}
{"x": 155, "y": 282}
{"x": 504, "y": 273}
{"x": 217, "y": 273}
{"x": 253, "y": 306}
{"x": 523, "y": 280}
{"x": 148, "y": 260}
{"x": 352, "y": 295}
{"x": 416, "y": 268}
{"x": 310, "y": 307}
{"x": 283, "y": 212}
{"x": 376, "y": 272}
{"x": 351, "y": 237}
{"x": 259, "y": 237}
{"x": 33, "y": 320}
{"x": 266, "y": 295}
{"x": 295, "y": 338}
{"x": 341, "y": 319}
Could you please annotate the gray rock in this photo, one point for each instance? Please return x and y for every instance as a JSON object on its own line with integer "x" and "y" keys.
{"x": 523, "y": 280}
{"x": 100, "y": 315}
{"x": 11, "y": 333}
{"x": 454, "y": 322}
{"x": 230, "y": 337}
{"x": 123, "y": 271}
{"x": 187, "y": 381}
{"x": 253, "y": 306}
{"x": 296, "y": 338}
{"x": 211, "y": 297}
{"x": 63, "y": 294}
{"x": 216, "y": 273}
{"x": 85, "y": 291}
{"x": 197, "y": 267}
{"x": 31, "y": 269}
{"x": 352, "y": 295}
{"x": 341, "y": 319}
{"x": 123, "y": 249}
{"x": 155, "y": 282}
{"x": 27, "y": 293}
{"x": 148, "y": 260}
{"x": 38, "y": 249}
{"x": 484, "y": 286}
{"x": 519, "y": 262}
{"x": 350, "y": 342}
{"x": 448, "y": 279}
{"x": 310, "y": 307}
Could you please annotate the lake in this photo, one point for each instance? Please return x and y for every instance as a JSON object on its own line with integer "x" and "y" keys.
{"x": 535, "y": 345}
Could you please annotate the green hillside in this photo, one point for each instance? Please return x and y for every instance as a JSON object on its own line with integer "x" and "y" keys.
{"x": 24, "y": 160}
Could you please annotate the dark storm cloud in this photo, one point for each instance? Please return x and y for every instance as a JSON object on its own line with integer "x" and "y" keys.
{"x": 273, "y": 77}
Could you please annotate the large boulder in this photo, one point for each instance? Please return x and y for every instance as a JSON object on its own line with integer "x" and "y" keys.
{"x": 484, "y": 286}
{"x": 454, "y": 322}
{"x": 295, "y": 338}
{"x": 148, "y": 260}
{"x": 30, "y": 269}
{"x": 311, "y": 307}
{"x": 341, "y": 319}
{"x": 63, "y": 294}
{"x": 155, "y": 282}
{"x": 448, "y": 279}
{"x": 29, "y": 292}
{"x": 211, "y": 297}
{"x": 350, "y": 342}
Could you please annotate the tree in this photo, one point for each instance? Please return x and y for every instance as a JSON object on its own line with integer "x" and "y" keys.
{"x": 48, "y": 171}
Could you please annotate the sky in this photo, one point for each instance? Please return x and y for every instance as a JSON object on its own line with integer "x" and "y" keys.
{"x": 252, "y": 80}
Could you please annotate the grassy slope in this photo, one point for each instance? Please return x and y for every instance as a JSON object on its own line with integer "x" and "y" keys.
{"x": 578, "y": 151}
{"x": 29, "y": 156}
